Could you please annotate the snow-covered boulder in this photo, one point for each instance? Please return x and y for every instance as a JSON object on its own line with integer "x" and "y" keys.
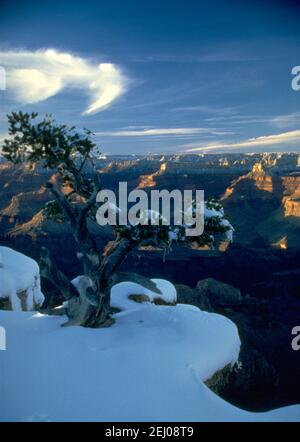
{"x": 20, "y": 287}
{"x": 127, "y": 294}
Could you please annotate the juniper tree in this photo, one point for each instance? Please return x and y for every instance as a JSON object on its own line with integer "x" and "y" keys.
{"x": 67, "y": 152}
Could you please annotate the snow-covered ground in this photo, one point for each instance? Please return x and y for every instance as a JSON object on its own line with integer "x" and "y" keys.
{"x": 149, "y": 366}
{"x": 19, "y": 273}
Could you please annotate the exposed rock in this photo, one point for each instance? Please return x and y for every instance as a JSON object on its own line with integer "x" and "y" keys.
{"x": 291, "y": 206}
{"x": 219, "y": 293}
{"x": 5, "y": 303}
{"x": 187, "y": 295}
{"x": 149, "y": 180}
{"x": 139, "y": 298}
{"x": 145, "y": 282}
{"x": 220, "y": 380}
{"x": 282, "y": 243}
{"x": 262, "y": 180}
{"x": 254, "y": 381}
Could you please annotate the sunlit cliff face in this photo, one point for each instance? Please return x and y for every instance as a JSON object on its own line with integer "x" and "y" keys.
{"x": 148, "y": 180}
{"x": 281, "y": 244}
{"x": 5, "y": 166}
{"x": 264, "y": 183}
{"x": 29, "y": 167}
{"x": 261, "y": 179}
{"x": 288, "y": 188}
{"x": 291, "y": 207}
{"x": 31, "y": 228}
{"x": 163, "y": 167}
{"x": 228, "y": 192}
{"x": 291, "y": 202}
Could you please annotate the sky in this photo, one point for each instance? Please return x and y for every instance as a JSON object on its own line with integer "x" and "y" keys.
{"x": 157, "y": 76}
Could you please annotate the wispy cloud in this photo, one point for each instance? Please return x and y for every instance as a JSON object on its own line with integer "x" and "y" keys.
{"x": 178, "y": 131}
{"x": 286, "y": 120}
{"x": 207, "y": 109}
{"x": 266, "y": 140}
{"x": 211, "y": 57}
{"x": 279, "y": 121}
{"x": 35, "y": 76}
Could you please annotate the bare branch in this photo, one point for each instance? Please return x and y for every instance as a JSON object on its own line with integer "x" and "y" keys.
{"x": 92, "y": 200}
{"x": 62, "y": 200}
{"x": 53, "y": 274}
{"x": 114, "y": 259}
{"x": 83, "y": 161}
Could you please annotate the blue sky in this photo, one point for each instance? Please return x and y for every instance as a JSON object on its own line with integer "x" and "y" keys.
{"x": 157, "y": 76}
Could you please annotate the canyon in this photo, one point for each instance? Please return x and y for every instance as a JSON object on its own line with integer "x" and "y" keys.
{"x": 261, "y": 197}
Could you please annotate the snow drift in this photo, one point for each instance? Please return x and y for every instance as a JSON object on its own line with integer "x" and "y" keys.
{"x": 149, "y": 366}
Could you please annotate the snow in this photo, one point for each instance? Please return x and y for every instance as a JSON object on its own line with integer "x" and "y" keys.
{"x": 173, "y": 235}
{"x": 167, "y": 289}
{"x": 212, "y": 213}
{"x": 229, "y": 232}
{"x": 150, "y": 216}
{"x": 150, "y": 365}
{"x": 81, "y": 282}
{"x": 19, "y": 273}
{"x": 121, "y": 291}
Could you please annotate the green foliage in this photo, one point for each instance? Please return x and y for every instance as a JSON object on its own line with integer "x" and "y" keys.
{"x": 154, "y": 235}
{"x": 45, "y": 141}
{"x": 162, "y": 235}
{"x": 54, "y": 212}
{"x": 54, "y": 146}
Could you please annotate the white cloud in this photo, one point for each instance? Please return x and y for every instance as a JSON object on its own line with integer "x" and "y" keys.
{"x": 266, "y": 140}
{"x": 159, "y": 131}
{"x": 35, "y": 76}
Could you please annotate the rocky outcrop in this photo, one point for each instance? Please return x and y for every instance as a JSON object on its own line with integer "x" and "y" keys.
{"x": 220, "y": 380}
{"x": 187, "y": 295}
{"x": 265, "y": 203}
{"x": 254, "y": 374}
{"x": 258, "y": 368}
{"x": 149, "y": 180}
{"x": 291, "y": 199}
{"x": 262, "y": 180}
{"x": 218, "y": 293}
{"x": 291, "y": 207}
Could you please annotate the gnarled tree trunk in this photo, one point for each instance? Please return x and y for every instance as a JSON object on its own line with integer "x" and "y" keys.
{"x": 89, "y": 299}
{"x": 91, "y": 304}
